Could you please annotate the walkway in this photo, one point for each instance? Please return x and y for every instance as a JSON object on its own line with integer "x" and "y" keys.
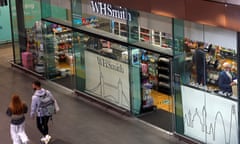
{"x": 79, "y": 121}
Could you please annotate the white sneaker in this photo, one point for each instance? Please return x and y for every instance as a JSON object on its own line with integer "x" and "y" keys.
{"x": 47, "y": 139}
{"x": 43, "y": 139}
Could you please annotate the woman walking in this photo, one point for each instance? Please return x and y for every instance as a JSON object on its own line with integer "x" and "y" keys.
{"x": 16, "y": 111}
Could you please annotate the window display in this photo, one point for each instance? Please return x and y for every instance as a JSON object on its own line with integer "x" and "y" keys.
{"x": 215, "y": 58}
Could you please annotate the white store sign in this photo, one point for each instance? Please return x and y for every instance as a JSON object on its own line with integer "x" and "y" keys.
{"x": 106, "y": 9}
{"x": 107, "y": 79}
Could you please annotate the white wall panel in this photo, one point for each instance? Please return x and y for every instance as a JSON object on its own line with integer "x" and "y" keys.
{"x": 214, "y": 35}
{"x": 158, "y": 23}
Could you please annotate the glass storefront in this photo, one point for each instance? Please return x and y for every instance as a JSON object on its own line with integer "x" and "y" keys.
{"x": 100, "y": 41}
{"x": 206, "y": 100}
{"x": 178, "y": 75}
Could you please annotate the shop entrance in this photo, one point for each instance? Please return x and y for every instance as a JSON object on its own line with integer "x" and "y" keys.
{"x": 60, "y": 66}
{"x": 157, "y": 101}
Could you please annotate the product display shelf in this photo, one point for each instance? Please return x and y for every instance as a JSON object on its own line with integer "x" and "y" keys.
{"x": 123, "y": 30}
{"x": 164, "y": 75}
{"x": 134, "y": 32}
{"x": 156, "y": 37}
{"x": 64, "y": 40}
{"x": 120, "y": 29}
{"x": 116, "y": 28}
{"x": 63, "y": 45}
{"x": 145, "y": 34}
{"x": 142, "y": 34}
{"x": 161, "y": 39}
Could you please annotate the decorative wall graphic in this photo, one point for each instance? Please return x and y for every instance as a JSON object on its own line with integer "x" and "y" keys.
{"x": 209, "y": 118}
{"x": 107, "y": 79}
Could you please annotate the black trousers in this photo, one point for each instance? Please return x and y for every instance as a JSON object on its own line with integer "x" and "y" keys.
{"x": 42, "y": 124}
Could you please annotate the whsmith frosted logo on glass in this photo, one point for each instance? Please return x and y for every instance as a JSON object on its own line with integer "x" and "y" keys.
{"x": 108, "y": 10}
{"x": 110, "y": 65}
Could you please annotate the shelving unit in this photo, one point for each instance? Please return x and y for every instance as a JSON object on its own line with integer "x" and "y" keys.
{"x": 134, "y": 33}
{"x": 156, "y": 73}
{"x": 63, "y": 44}
{"x": 164, "y": 75}
{"x": 142, "y": 34}
{"x": 64, "y": 40}
{"x": 123, "y": 30}
{"x": 120, "y": 29}
{"x": 116, "y": 28}
{"x": 145, "y": 34}
{"x": 156, "y": 37}
{"x": 161, "y": 39}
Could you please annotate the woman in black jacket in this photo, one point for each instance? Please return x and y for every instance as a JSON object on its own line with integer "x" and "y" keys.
{"x": 16, "y": 111}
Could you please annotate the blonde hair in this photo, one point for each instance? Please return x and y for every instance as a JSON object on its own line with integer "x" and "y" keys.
{"x": 226, "y": 65}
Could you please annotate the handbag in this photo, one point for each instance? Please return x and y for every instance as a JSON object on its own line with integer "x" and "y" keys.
{"x": 57, "y": 108}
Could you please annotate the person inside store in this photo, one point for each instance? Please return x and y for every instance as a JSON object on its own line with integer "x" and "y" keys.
{"x": 199, "y": 61}
{"x": 226, "y": 79}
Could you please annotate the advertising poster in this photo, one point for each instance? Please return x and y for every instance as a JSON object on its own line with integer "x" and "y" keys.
{"x": 107, "y": 79}
{"x": 209, "y": 118}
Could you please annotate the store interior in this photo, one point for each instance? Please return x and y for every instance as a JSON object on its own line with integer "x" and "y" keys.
{"x": 157, "y": 101}
{"x": 216, "y": 56}
{"x": 64, "y": 59}
{"x": 53, "y": 59}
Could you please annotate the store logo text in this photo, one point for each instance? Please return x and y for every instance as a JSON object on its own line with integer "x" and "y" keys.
{"x": 108, "y": 10}
{"x": 108, "y": 64}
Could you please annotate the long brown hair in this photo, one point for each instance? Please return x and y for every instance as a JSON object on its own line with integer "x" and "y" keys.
{"x": 16, "y": 105}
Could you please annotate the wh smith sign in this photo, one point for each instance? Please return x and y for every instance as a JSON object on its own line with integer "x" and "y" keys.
{"x": 106, "y": 9}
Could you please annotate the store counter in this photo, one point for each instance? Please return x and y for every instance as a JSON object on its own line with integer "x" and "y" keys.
{"x": 216, "y": 92}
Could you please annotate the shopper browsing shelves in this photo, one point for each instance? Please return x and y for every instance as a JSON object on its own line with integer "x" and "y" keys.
{"x": 199, "y": 60}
